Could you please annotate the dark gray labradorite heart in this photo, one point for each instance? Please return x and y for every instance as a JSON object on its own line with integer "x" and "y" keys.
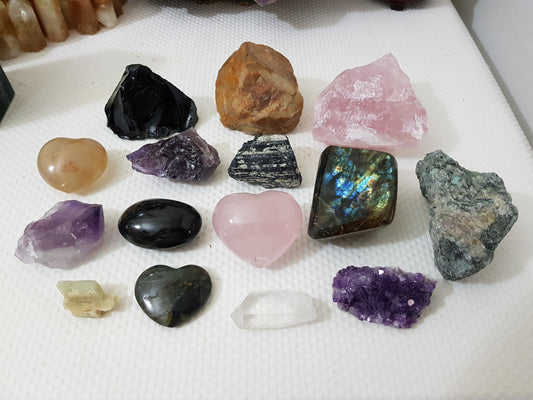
{"x": 159, "y": 223}
{"x": 172, "y": 296}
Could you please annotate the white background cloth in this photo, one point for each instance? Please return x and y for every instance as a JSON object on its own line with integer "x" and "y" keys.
{"x": 473, "y": 342}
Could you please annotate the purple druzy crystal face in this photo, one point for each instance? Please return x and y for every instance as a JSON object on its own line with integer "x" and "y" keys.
{"x": 185, "y": 157}
{"x": 63, "y": 236}
{"x": 384, "y": 295}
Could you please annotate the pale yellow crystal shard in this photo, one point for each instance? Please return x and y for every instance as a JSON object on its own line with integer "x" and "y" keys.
{"x": 85, "y": 298}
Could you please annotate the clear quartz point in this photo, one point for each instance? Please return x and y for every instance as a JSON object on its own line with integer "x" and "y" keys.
{"x": 274, "y": 309}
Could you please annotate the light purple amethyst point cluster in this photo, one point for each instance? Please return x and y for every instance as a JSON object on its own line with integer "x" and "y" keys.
{"x": 64, "y": 236}
{"x": 385, "y": 295}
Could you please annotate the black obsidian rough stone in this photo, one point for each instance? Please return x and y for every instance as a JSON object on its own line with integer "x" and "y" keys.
{"x": 159, "y": 223}
{"x": 144, "y": 105}
{"x": 172, "y": 296}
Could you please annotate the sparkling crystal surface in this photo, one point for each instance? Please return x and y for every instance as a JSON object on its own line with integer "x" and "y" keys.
{"x": 384, "y": 295}
{"x": 370, "y": 107}
{"x": 171, "y": 296}
{"x": 159, "y": 223}
{"x": 267, "y": 160}
{"x": 355, "y": 190}
{"x": 64, "y": 236}
{"x": 144, "y": 105}
{"x": 258, "y": 228}
{"x": 85, "y": 298}
{"x": 274, "y": 309}
{"x": 184, "y": 157}
{"x": 470, "y": 214}
{"x": 71, "y": 165}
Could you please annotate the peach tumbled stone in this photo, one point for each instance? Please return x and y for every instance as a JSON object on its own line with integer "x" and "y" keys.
{"x": 71, "y": 165}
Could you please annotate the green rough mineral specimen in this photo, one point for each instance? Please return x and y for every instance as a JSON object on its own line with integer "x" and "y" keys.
{"x": 470, "y": 213}
{"x": 6, "y": 93}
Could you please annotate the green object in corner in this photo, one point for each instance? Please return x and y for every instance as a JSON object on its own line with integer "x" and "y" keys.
{"x": 6, "y": 93}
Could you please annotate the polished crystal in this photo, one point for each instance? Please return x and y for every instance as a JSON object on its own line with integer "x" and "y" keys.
{"x": 159, "y": 223}
{"x": 355, "y": 190}
{"x": 71, "y": 165}
{"x": 171, "y": 296}
{"x": 258, "y": 228}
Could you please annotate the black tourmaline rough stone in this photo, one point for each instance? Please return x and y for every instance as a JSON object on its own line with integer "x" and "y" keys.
{"x": 172, "y": 296}
{"x": 470, "y": 213}
{"x": 267, "y": 160}
{"x": 144, "y": 105}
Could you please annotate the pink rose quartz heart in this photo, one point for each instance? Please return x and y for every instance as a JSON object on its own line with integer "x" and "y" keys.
{"x": 258, "y": 228}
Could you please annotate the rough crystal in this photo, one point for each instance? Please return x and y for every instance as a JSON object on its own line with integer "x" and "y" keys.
{"x": 274, "y": 309}
{"x": 159, "y": 223}
{"x": 84, "y": 17}
{"x": 267, "y": 160}
{"x": 384, "y": 295}
{"x": 52, "y": 20}
{"x": 171, "y": 296}
{"x": 144, "y": 105}
{"x": 370, "y": 107}
{"x": 185, "y": 157}
{"x": 257, "y": 92}
{"x": 64, "y": 236}
{"x": 9, "y": 44}
{"x": 71, "y": 165}
{"x": 26, "y": 25}
{"x": 258, "y": 228}
{"x": 470, "y": 213}
{"x": 355, "y": 190}
{"x": 105, "y": 13}
{"x": 85, "y": 298}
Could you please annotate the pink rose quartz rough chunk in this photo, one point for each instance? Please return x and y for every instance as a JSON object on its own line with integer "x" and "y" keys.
{"x": 370, "y": 107}
{"x": 258, "y": 228}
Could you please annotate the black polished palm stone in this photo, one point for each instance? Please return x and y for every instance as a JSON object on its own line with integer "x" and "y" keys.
{"x": 144, "y": 105}
{"x": 355, "y": 190}
{"x": 172, "y": 296}
{"x": 159, "y": 223}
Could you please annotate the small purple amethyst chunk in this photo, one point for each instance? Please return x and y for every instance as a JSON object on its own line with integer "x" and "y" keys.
{"x": 385, "y": 295}
{"x": 64, "y": 236}
{"x": 184, "y": 157}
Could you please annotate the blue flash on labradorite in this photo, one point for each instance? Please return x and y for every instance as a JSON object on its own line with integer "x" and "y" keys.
{"x": 355, "y": 190}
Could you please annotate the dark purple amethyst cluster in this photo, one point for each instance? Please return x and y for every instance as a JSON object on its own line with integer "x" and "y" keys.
{"x": 385, "y": 295}
{"x": 184, "y": 157}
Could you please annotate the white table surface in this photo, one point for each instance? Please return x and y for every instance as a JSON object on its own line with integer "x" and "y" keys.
{"x": 473, "y": 342}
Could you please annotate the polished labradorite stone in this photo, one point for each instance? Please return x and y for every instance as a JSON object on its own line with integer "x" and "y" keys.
{"x": 355, "y": 190}
{"x": 172, "y": 296}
